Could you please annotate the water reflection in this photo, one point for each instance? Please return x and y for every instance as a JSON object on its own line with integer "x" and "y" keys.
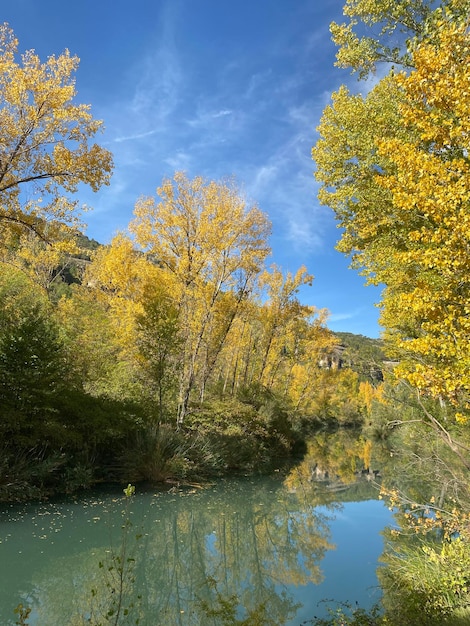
{"x": 255, "y": 539}
{"x": 337, "y": 466}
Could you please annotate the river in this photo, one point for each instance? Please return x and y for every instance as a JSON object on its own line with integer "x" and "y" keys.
{"x": 278, "y": 545}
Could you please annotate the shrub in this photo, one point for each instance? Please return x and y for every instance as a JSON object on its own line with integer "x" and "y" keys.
{"x": 154, "y": 454}
{"x": 428, "y": 581}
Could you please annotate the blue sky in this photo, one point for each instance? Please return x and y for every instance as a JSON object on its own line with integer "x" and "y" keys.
{"x": 219, "y": 89}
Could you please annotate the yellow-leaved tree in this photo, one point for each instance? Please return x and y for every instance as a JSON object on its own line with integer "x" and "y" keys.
{"x": 45, "y": 148}
{"x": 394, "y": 167}
{"x": 213, "y": 246}
{"x": 430, "y": 192}
{"x": 99, "y": 319}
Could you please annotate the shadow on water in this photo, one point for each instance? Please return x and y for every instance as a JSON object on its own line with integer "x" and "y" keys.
{"x": 266, "y": 544}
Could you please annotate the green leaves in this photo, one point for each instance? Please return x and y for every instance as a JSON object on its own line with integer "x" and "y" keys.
{"x": 129, "y": 491}
{"x": 393, "y": 166}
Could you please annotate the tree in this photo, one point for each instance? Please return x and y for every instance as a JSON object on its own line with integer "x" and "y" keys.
{"x": 386, "y": 31}
{"x": 100, "y": 318}
{"x": 281, "y": 309}
{"x": 32, "y": 360}
{"x": 159, "y": 342}
{"x": 430, "y": 188}
{"x": 44, "y": 137}
{"x": 394, "y": 167}
{"x": 211, "y": 244}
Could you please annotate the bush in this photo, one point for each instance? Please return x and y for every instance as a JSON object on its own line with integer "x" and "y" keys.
{"x": 230, "y": 434}
{"x": 154, "y": 454}
{"x": 428, "y": 581}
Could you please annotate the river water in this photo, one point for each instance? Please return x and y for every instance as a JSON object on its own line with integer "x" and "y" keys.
{"x": 278, "y": 545}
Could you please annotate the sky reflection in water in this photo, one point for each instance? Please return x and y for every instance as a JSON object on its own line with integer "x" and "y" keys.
{"x": 273, "y": 542}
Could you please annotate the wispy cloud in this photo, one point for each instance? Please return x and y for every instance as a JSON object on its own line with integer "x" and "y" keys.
{"x": 256, "y": 83}
{"x": 179, "y": 161}
{"x": 151, "y": 87}
{"x": 244, "y": 119}
{"x": 135, "y": 136}
{"x": 204, "y": 118}
{"x": 340, "y": 317}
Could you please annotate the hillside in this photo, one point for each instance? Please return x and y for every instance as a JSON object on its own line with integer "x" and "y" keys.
{"x": 363, "y": 355}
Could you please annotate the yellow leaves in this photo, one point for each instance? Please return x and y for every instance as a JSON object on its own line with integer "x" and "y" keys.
{"x": 203, "y": 234}
{"x": 348, "y": 164}
{"x": 369, "y": 393}
{"x": 430, "y": 188}
{"x": 121, "y": 270}
{"x": 44, "y": 135}
{"x": 440, "y": 88}
{"x": 202, "y": 230}
{"x": 460, "y": 418}
{"x": 119, "y": 277}
{"x": 394, "y": 167}
{"x": 368, "y": 38}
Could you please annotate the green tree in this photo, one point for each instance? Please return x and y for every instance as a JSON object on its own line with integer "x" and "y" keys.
{"x": 32, "y": 359}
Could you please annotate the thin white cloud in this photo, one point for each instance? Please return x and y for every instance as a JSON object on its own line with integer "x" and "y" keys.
{"x": 135, "y": 136}
{"x": 347, "y": 315}
{"x": 205, "y": 118}
{"x": 263, "y": 178}
{"x": 301, "y": 233}
{"x": 180, "y": 161}
{"x": 222, "y": 113}
{"x": 256, "y": 82}
{"x": 151, "y": 88}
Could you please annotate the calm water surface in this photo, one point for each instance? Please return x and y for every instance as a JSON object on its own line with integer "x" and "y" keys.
{"x": 283, "y": 542}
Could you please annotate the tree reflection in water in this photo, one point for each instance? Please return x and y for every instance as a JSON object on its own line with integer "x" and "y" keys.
{"x": 246, "y": 539}
{"x": 252, "y": 538}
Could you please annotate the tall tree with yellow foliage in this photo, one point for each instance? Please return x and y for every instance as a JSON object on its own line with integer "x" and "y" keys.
{"x": 213, "y": 245}
{"x": 394, "y": 167}
{"x": 45, "y": 149}
{"x": 430, "y": 191}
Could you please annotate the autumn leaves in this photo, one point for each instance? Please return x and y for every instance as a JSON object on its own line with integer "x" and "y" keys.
{"x": 193, "y": 275}
{"x": 394, "y": 167}
{"x": 45, "y": 143}
{"x": 180, "y": 302}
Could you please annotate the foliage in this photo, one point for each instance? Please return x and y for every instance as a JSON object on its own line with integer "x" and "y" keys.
{"x": 172, "y": 350}
{"x": 52, "y": 432}
{"x": 31, "y": 361}
{"x": 344, "y": 614}
{"x": 427, "y": 554}
{"x": 209, "y": 243}
{"x": 234, "y": 435}
{"x": 429, "y": 178}
{"x": 155, "y": 453}
{"x": 363, "y": 355}
{"x": 337, "y": 400}
{"x": 45, "y": 143}
{"x": 159, "y": 342}
{"x": 393, "y": 165}
{"x": 433, "y": 584}
{"x": 398, "y": 188}
{"x": 386, "y": 31}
